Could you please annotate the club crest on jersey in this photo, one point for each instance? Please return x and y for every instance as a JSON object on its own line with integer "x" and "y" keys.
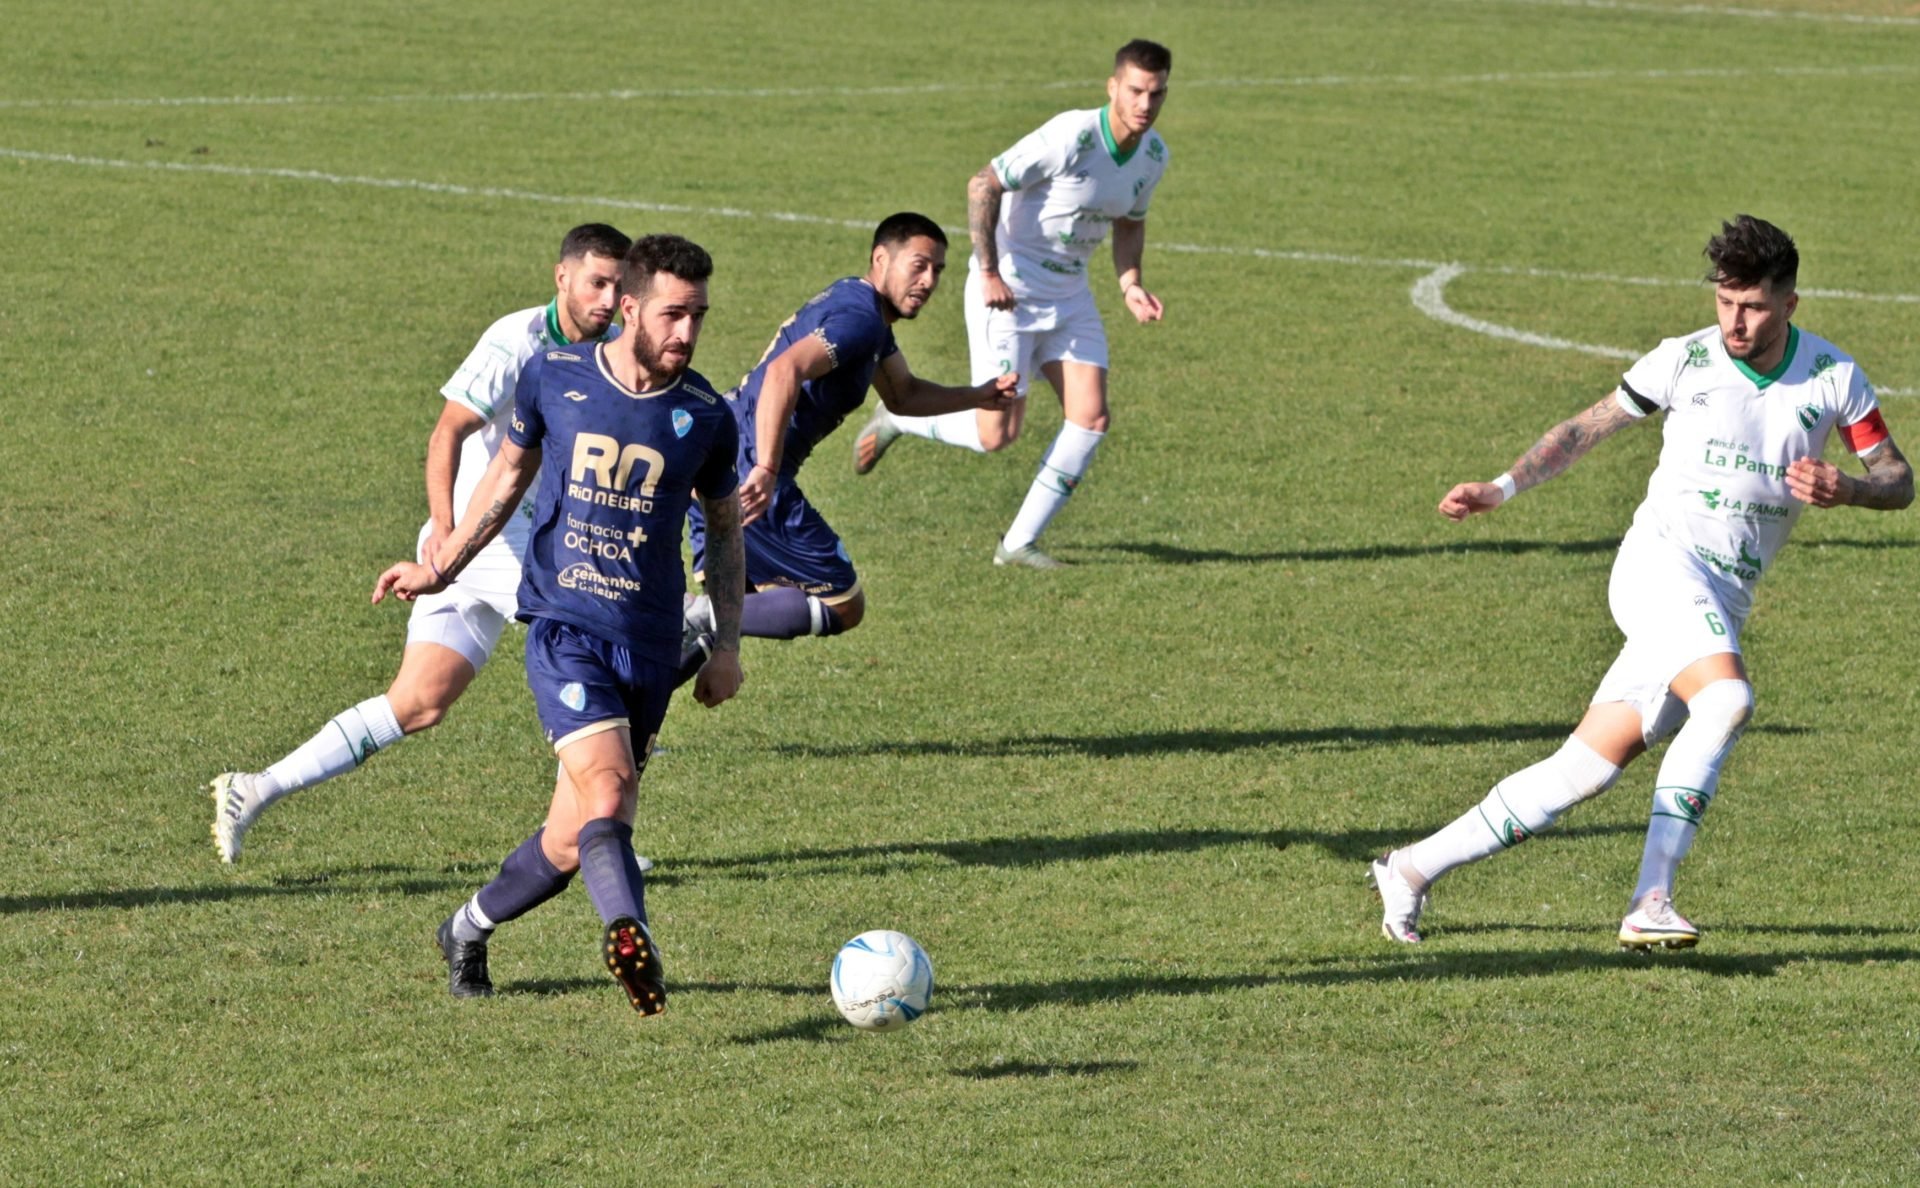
{"x": 682, "y": 422}
{"x": 1809, "y": 416}
{"x": 574, "y": 696}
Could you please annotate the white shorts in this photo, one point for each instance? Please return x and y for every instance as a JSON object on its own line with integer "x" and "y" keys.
{"x": 469, "y": 615}
{"x": 1023, "y": 338}
{"x": 1674, "y": 610}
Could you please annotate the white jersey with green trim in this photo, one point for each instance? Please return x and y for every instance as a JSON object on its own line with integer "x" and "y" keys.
{"x": 484, "y": 385}
{"x": 1067, "y": 181}
{"x": 1720, "y": 490}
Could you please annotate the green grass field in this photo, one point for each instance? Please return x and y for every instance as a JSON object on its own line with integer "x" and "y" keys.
{"x": 1126, "y": 806}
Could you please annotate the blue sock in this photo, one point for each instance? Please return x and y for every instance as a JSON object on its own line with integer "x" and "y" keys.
{"x": 614, "y": 882}
{"x": 786, "y": 613}
{"x": 526, "y": 880}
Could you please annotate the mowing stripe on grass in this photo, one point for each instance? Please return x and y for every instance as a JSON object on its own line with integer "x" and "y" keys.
{"x": 1428, "y": 292}
{"x": 1495, "y": 77}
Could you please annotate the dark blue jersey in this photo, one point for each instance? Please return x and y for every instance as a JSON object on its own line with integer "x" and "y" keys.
{"x": 846, "y": 318}
{"x": 618, "y": 469}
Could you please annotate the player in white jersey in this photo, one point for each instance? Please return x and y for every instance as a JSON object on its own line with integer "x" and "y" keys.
{"x": 1749, "y": 406}
{"x": 1037, "y": 213}
{"x": 450, "y": 634}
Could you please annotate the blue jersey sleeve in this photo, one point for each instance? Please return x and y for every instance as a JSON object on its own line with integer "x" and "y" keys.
{"x": 529, "y": 426}
{"x": 855, "y": 336}
{"x": 717, "y": 478}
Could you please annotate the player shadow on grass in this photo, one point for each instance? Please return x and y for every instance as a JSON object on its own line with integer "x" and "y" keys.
{"x": 1168, "y": 554}
{"x": 1428, "y": 964}
{"x": 1029, "y": 850}
{"x": 348, "y": 880}
{"x": 1165, "y": 742}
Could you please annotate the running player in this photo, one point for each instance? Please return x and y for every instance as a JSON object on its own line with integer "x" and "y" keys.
{"x": 1036, "y": 214}
{"x": 633, "y": 432}
{"x": 815, "y": 371}
{"x": 1750, "y": 403}
{"x": 450, "y": 634}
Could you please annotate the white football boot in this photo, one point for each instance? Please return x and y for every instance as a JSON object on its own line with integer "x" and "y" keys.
{"x": 235, "y": 805}
{"x": 1656, "y": 924}
{"x": 1400, "y": 904}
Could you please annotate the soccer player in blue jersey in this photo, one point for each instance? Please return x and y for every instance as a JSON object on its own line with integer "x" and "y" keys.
{"x": 817, "y": 370}
{"x": 632, "y": 433}
{"x": 450, "y": 635}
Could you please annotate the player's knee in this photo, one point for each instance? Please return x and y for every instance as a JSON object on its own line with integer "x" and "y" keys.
{"x": 1723, "y": 707}
{"x": 996, "y": 437}
{"x": 1100, "y": 422}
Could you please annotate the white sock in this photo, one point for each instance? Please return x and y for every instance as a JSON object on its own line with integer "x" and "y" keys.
{"x": 344, "y": 743}
{"x": 1066, "y": 463}
{"x": 1519, "y": 806}
{"x": 955, "y": 428}
{"x": 1689, "y": 776}
{"x": 470, "y": 923}
{"x": 699, "y": 612}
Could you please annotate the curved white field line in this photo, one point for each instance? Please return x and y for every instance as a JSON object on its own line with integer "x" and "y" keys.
{"x": 1429, "y": 295}
{"x": 1498, "y": 77}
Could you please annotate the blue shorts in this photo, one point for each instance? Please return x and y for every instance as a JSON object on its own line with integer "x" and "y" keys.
{"x": 583, "y": 684}
{"x": 791, "y": 544}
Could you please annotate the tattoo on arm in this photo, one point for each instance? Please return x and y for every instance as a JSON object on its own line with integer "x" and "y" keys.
{"x": 1888, "y": 483}
{"x": 484, "y": 530}
{"x": 983, "y": 212}
{"x": 1567, "y": 442}
{"x": 726, "y": 569}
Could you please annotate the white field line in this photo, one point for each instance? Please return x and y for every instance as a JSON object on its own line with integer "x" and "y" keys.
{"x": 1718, "y": 11}
{"x": 1499, "y": 77}
{"x": 1428, "y": 293}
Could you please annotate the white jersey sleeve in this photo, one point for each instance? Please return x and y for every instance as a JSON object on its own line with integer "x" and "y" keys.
{"x": 1042, "y": 153}
{"x": 1649, "y": 385}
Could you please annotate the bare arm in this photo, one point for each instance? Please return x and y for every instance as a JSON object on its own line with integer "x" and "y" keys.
{"x": 457, "y": 423}
{"x": 1563, "y": 445}
{"x": 779, "y": 392}
{"x": 906, "y": 394}
{"x": 1129, "y": 246}
{"x": 501, "y": 488}
{"x": 1887, "y": 485}
{"x": 984, "y": 191}
{"x": 726, "y": 567}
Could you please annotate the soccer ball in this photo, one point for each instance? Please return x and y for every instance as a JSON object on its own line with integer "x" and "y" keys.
{"x": 882, "y": 980}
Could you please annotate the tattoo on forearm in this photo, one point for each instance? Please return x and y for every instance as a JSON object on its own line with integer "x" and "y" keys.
{"x": 726, "y": 569}
{"x": 983, "y": 211}
{"x": 1888, "y": 483}
{"x": 1567, "y": 442}
{"x": 483, "y": 531}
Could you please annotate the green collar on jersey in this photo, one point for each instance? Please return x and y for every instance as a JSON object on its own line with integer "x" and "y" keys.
{"x": 553, "y": 322}
{"x": 1763, "y": 382}
{"x": 1113, "y": 149}
{"x": 553, "y": 325}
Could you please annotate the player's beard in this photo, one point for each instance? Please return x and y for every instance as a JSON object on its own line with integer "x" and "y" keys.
{"x": 648, "y": 354}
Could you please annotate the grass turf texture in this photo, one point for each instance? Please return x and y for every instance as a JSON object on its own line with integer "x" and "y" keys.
{"x": 1126, "y": 806}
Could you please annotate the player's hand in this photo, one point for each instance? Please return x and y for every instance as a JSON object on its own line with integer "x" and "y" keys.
{"x": 407, "y": 581}
{"x": 999, "y": 393}
{"x": 718, "y": 679}
{"x": 1820, "y": 483}
{"x": 1468, "y": 498}
{"x": 1144, "y": 306}
{"x": 996, "y": 292}
{"x": 436, "y": 536}
{"x": 756, "y": 491}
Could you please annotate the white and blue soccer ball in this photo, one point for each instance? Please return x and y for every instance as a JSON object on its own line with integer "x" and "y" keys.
{"x": 882, "y": 980}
